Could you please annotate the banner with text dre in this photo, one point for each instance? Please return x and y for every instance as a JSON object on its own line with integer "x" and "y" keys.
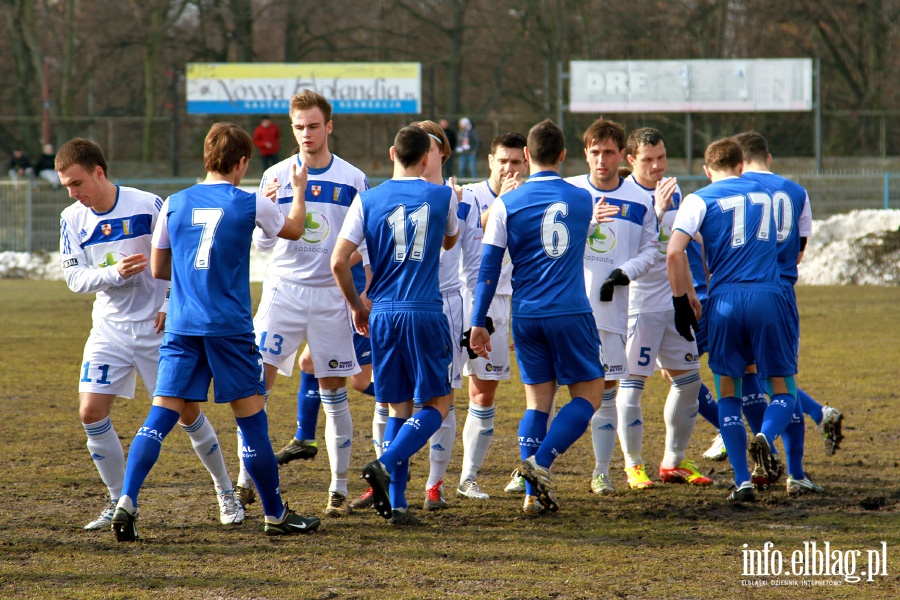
{"x": 731, "y": 85}
{"x": 266, "y": 88}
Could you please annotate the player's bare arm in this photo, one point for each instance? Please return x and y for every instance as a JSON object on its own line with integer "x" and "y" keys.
{"x": 340, "y": 268}
{"x": 295, "y": 222}
{"x": 161, "y": 263}
{"x": 677, "y": 263}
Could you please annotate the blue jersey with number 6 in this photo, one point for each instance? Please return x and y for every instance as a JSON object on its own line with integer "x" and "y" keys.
{"x": 208, "y": 228}
{"x": 734, "y": 217}
{"x": 544, "y": 223}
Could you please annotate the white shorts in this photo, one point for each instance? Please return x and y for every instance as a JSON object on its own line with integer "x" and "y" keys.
{"x": 290, "y": 314}
{"x": 115, "y": 353}
{"x": 612, "y": 355}
{"x": 497, "y": 368}
{"x": 453, "y": 310}
{"x": 654, "y": 343}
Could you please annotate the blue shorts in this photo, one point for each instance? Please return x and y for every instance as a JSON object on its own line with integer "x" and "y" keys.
{"x": 411, "y": 354}
{"x": 564, "y": 348}
{"x": 750, "y": 324}
{"x": 363, "y": 347}
{"x": 188, "y": 363}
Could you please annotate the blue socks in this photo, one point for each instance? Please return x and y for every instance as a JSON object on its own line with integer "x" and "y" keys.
{"x": 370, "y": 390}
{"x": 260, "y": 462}
{"x": 399, "y": 470}
{"x": 308, "y": 402}
{"x": 145, "y": 448}
{"x": 778, "y": 415}
{"x": 731, "y": 426}
{"x": 810, "y": 406}
{"x": 709, "y": 410}
{"x": 793, "y": 437}
{"x": 569, "y": 425}
{"x": 753, "y": 402}
{"x": 532, "y": 430}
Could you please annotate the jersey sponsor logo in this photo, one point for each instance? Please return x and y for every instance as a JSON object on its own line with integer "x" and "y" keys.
{"x": 317, "y": 227}
{"x": 126, "y": 226}
{"x": 689, "y": 357}
{"x": 316, "y": 190}
{"x": 340, "y": 364}
{"x": 110, "y": 259}
{"x": 665, "y": 234}
{"x": 612, "y": 370}
{"x": 603, "y": 239}
{"x": 106, "y": 229}
{"x": 71, "y": 262}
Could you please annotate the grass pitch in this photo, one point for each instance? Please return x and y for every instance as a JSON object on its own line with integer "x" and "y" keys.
{"x": 667, "y": 542}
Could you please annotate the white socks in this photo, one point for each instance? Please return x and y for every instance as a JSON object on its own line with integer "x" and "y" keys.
{"x": 379, "y": 424}
{"x": 338, "y": 436}
{"x": 107, "y": 453}
{"x": 206, "y": 445}
{"x": 681, "y": 416}
{"x": 441, "y": 444}
{"x": 631, "y": 420}
{"x": 477, "y": 435}
{"x": 603, "y": 432}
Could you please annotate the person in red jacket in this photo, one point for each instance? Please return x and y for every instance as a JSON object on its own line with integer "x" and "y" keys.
{"x": 265, "y": 138}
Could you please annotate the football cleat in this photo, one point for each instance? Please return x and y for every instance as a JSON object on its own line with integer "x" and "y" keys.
{"x": 469, "y": 489}
{"x": 364, "y": 501}
{"x": 602, "y": 484}
{"x": 516, "y": 483}
{"x": 246, "y": 494}
{"x": 231, "y": 512}
{"x": 123, "y": 525}
{"x": 830, "y": 427}
{"x": 638, "y": 478}
{"x": 533, "y": 506}
{"x": 542, "y": 480}
{"x": 297, "y": 449}
{"x": 768, "y": 468}
{"x": 104, "y": 521}
{"x": 380, "y": 481}
{"x": 745, "y": 493}
{"x": 717, "y": 451}
{"x": 796, "y": 487}
{"x": 291, "y": 524}
{"x": 403, "y": 518}
{"x": 337, "y": 505}
{"x": 434, "y": 497}
{"x": 686, "y": 472}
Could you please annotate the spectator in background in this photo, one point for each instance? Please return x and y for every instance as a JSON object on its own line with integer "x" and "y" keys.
{"x": 266, "y": 138}
{"x": 46, "y": 165}
{"x": 19, "y": 165}
{"x": 468, "y": 143}
{"x": 451, "y": 137}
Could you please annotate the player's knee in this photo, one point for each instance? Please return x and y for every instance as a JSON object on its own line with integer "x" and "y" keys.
{"x": 306, "y": 364}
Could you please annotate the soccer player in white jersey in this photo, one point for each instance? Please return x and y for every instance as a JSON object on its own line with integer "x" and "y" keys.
{"x": 653, "y": 342}
{"x": 300, "y": 301}
{"x": 508, "y": 168}
{"x": 614, "y": 255}
{"x": 104, "y": 247}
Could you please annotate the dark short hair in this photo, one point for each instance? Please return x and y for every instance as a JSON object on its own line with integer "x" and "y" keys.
{"x": 411, "y": 144}
{"x": 723, "y": 154}
{"x": 508, "y": 140}
{"x": 643, "y": 136}
{"x": 82, "y": 152}
{"x": 224, "y": 147}
{"x": 546, "y": 143}
{"x": 602, "y": 130}
{"x": 307, "y": 99}
{"x": 754, "y": 146}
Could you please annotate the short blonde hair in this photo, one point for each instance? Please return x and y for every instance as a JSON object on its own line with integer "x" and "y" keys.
{"x": 436, "y": 131}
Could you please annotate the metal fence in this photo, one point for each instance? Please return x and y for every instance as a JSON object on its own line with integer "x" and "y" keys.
{"x": 29, "y": 209}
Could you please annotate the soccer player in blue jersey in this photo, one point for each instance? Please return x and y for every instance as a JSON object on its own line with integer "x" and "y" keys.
{"x": 300, "y": 302}
{"x": 544, "y": 224}
{"x": 404, "y": 223}
{"x": 104, "y": 247}
{"x": 747, "y": 312}
{"x": 793, "y": 220}
{"x": 202, "y": 244}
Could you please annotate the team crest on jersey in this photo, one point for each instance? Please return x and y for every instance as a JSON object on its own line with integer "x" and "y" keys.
{"x": 316, "y": 190}
{"x": 126, "y": 226}
{"x": 106, "y": 229}
{"x": 624, "y": 210}
{"x": 337, "y": 194}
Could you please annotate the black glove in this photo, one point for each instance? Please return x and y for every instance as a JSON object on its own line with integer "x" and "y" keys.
{"x": 488, "y": 324}
{"x": 684, "y": 317}
{"x": 617, "y": 277}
